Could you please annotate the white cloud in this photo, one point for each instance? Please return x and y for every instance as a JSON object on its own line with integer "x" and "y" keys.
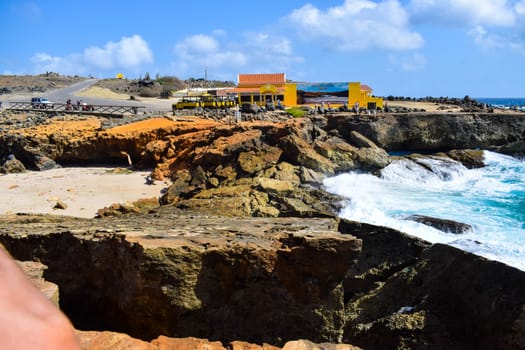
{"x": 70, "y": 65}
{"x": 224, "y": 55}
{"x": 465, "y": 12}
{"x": 357, "y": 25}
{"x": 495, "y": 41}
{"x": 197, "y": 44}
{"x": 410, "y": 63}
{"x": 204, "y": 51}
{"x": 520, "y": 8}
{"x": 492, "y": 24}
{"x": 128, "y": 53}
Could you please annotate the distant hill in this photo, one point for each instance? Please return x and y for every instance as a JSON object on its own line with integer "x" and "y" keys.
{"x": 35, "y": 83}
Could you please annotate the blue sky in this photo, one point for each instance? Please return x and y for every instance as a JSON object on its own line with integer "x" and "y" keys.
{"x": 403, "y": 48}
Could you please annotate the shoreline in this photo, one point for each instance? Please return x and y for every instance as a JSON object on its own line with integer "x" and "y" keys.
{"x": 84, "y": 190}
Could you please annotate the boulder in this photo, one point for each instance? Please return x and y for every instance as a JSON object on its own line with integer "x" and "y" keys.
{"x": 12, "y": 166}
{"x": 299, "y": 152}
{"x": 469, "y": 158}
{"x": 449, "y": 226}
{"x": 60, "y": 205}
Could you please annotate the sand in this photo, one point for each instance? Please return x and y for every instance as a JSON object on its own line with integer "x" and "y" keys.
{"x": 427, "y": 106}
{"x": 150, "y": 102}
{"x": 83, "y": 190}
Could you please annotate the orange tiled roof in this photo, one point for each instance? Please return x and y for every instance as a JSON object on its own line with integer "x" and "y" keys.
{"x": 365, "y": 87}
{"x": 254, "y": 90}
{"x": 260, "y": 79}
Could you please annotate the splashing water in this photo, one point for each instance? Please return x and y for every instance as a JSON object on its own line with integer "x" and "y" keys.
{"x": 490, "y": 199}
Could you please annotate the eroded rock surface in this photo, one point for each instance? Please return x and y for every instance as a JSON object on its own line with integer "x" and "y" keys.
{"x": 436, "y": 132}
{"x": 219, "y": 261}
{"x": 271, "y": 280}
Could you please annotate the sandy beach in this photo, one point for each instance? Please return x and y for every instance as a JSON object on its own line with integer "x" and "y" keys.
{"x": 83, "y": 190}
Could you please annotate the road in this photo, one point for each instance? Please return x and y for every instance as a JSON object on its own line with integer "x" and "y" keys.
{"x": 71, "y": 92}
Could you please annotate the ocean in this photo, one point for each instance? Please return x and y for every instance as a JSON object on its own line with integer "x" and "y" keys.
{"x": 504, "y": 103}
{"x": 490, "y": 199}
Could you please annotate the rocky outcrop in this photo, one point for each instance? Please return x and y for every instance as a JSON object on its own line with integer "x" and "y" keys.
{"x": 34, "y": 271}
{"x": 434, "y": 132}
{"x": 270, "y": 280}
{"x": 222, "y": 279}
{"x": 207, "y": 264}
{"x": 444, "y": 225}
{"x": 117, "y": 341}
{"x": 256, "y": 169}
{"x": 419, "y": 296}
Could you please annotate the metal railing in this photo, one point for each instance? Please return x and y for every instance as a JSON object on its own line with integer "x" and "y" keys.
{"x": 84, "y": 108}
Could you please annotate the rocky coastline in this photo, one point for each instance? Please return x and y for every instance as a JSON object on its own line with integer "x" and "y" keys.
{"x": 245, "y": 245}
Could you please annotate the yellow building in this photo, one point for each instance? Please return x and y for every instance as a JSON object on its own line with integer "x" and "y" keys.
{"x": 362, "y": 94}
{"x": 260, "y": 89}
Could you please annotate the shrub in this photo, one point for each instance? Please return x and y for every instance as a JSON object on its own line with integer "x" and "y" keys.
{"x": 165, "y": 93}
{"x": 150, "y": 91}
{"x": 295, "y": 112}
{"x": 172, "y": 83}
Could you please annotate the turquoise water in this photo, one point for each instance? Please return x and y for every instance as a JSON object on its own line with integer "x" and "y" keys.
{"x": 490, "y": 199}
{"x": 503, "y": 102}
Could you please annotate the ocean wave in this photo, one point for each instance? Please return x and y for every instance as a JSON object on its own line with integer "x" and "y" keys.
{"x": 490, "y": 199}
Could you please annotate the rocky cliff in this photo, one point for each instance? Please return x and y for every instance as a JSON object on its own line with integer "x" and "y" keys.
{"x": 436, "y": 132}
{"x": 247, "y": 245}
{"x": 271, "y": 281}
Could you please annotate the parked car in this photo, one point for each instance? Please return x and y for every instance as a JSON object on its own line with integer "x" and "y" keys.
{"x": 41, "y": 102}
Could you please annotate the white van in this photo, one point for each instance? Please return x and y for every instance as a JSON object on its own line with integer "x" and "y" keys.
{"x": 41, "y": 102}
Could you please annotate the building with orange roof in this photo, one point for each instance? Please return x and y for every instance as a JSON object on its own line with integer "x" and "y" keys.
{"x": 260, "y": 89}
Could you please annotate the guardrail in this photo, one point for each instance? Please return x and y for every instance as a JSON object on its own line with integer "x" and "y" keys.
{"x": 107, "y": 110}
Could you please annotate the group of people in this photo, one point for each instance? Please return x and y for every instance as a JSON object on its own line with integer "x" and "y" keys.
{"x": 69, "y": 105}
{"x": 79, "y": 105}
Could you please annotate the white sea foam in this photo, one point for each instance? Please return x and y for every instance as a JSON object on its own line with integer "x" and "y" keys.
{"x": 490, "y": 199}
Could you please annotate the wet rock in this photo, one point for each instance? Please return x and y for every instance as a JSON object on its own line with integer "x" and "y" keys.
{"x": 469, "y": 158}
{"x": 449, "y": 226}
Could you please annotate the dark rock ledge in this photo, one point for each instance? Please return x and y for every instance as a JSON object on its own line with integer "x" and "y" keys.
{"x": 186, "y": 270}
{"x": 270, "y": 280}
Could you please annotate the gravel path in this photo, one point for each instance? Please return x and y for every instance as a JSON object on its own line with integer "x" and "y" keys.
{"x": 82, "y": 91}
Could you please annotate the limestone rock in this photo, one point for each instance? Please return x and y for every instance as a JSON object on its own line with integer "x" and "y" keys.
{"x": 163, "y": 342}
{"x": 321, "y": 279}
{"x": 254, "y": 161}
{"x": 34, "y": 272}
{"x": 273, "y": 185}
{"x": 12, "y": 166}
{"x": 435, "y": 132}
{"x": 300, "y": 152}
{"x": 60, "y": 205}
{"x": 469, "y": 158}
{"x": 308, "y": 345}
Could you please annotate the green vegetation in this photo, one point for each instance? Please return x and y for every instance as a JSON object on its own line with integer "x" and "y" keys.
{"x": 172, "y": 83}
{"x": 295, "y": 112}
